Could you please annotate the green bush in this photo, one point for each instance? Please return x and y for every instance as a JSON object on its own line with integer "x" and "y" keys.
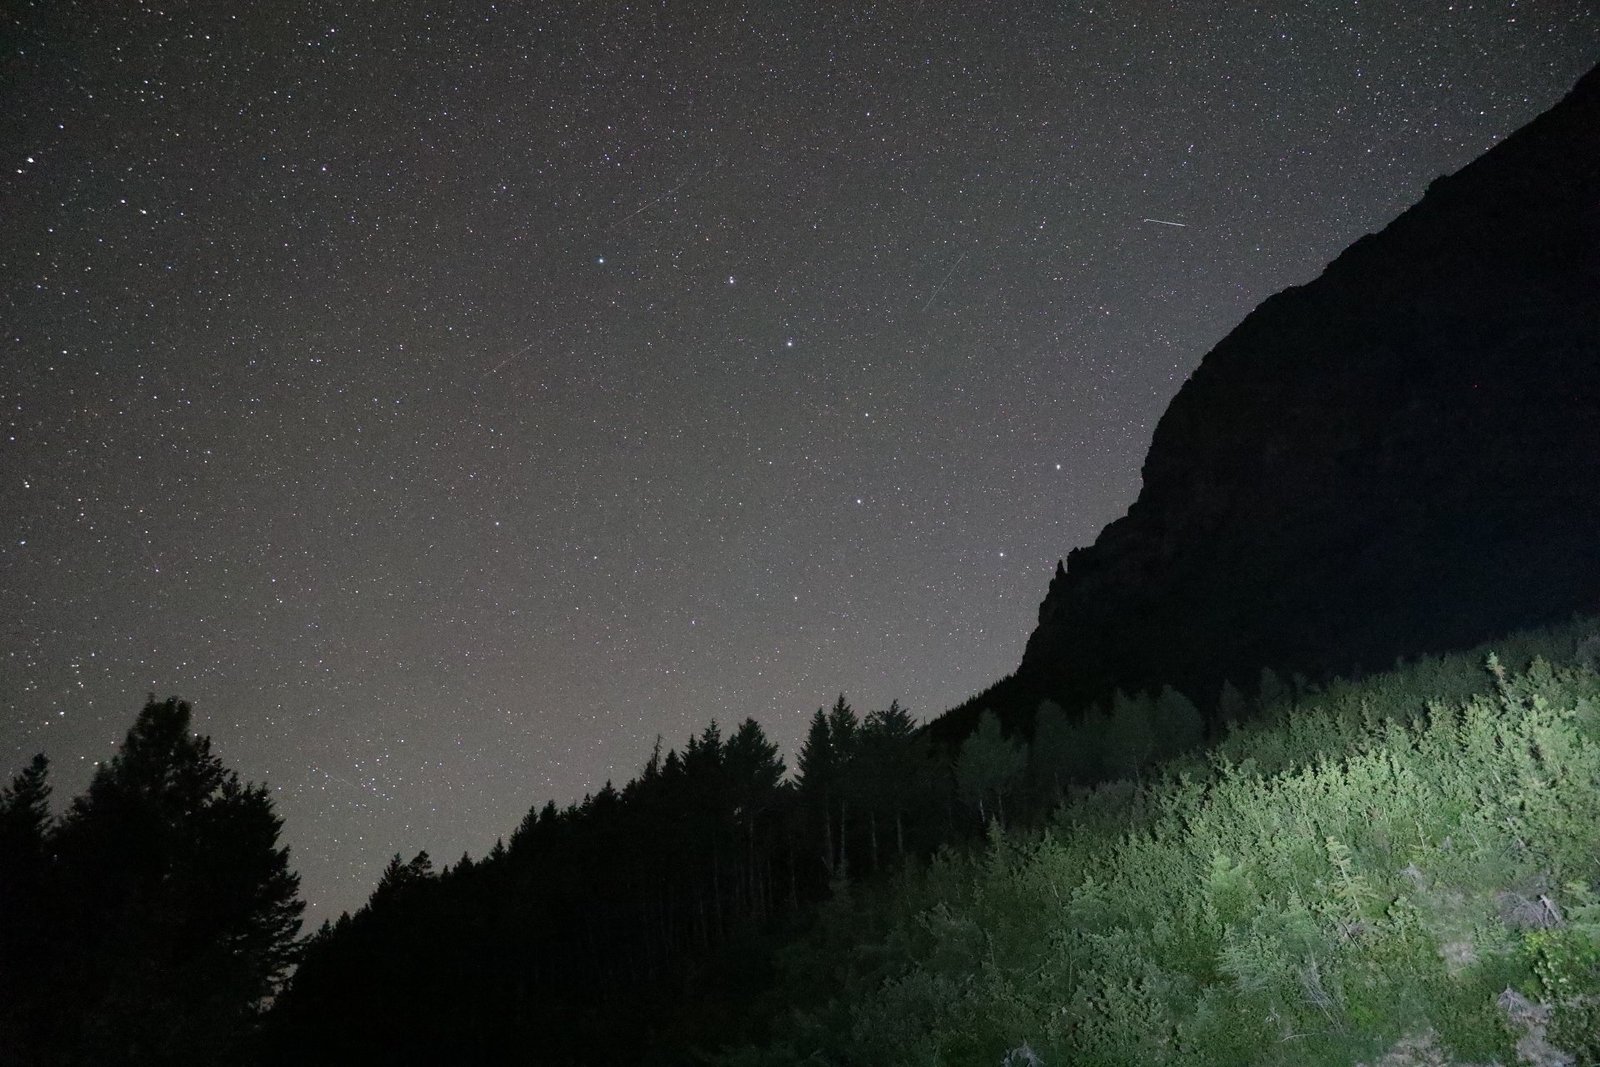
{"x": 1376, "y": 862}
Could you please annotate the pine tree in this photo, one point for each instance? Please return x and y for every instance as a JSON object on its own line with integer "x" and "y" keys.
{"x": 754, "y": 771}
{"x": 181, "y": 910}
{"x": 817, "y": 778}
{"x": 24, "y": 826}
{"x": 25, "y": 922}
{"x": 892, "y": 768}
{"x": 844, "y": 737}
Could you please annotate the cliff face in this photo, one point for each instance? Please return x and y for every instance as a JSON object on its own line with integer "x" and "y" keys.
{"x": 1400, "y": 456}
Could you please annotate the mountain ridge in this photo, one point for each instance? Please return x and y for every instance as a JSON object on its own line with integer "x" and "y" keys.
{"x": 1394, "y": 458}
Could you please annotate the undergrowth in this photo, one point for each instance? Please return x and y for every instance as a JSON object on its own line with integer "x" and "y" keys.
{"x": 1404, "y": 866}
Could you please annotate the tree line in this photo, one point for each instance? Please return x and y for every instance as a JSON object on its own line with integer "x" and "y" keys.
{"x": 156, "y": 920}
{"x": 644, "y": 919}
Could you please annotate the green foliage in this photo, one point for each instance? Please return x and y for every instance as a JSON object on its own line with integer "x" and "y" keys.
{"x": 1231, "y": 705}
{"x": 1129, "y": 738}
{"x": 1566, "y": 959}
{"x": 1177, "y": 723}
{"x": 990, "y": 768}
{"x": 1363, "y": 867}
{"x": 1054, "y": 759}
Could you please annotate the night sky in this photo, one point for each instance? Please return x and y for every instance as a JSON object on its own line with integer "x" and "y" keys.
{"x": 449, "y": 398}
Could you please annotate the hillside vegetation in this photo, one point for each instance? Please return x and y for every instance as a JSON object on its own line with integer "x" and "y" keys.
{"x": 1400, "y": 870}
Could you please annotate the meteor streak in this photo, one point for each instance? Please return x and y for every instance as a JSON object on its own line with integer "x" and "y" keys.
{"x": 943, "y": 281}
{"x": 647, "y": 205}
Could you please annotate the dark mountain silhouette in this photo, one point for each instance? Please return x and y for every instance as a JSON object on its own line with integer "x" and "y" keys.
{"x": 1401, "y": 456}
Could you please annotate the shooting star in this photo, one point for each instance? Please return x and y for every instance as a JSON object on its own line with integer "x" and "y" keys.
{"x": 498, "y": 366}
{"x": 648, "y": 204}
{"x": 1164, "y": 222}
{"x": 943, "y": 281}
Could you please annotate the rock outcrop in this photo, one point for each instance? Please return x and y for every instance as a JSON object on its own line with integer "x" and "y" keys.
{"x": 1399, "y": 457}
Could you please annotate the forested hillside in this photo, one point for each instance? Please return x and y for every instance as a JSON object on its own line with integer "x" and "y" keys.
{"x": 638, "y": 919}
{"x": 1400, "y": 871}
{"x": 1411, "y": 858}
{"x": 641, "y": 921}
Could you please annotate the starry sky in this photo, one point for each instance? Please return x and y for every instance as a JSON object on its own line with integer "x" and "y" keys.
{"x": 449, "y": 398}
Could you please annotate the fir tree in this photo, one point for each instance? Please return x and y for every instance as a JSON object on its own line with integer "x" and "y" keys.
{"x": 25, "y": 942}
{"x": 893, "y": 767}
{"x": 179, "y": 912}
{"x": 818, "y": 774}
{"x": 24, "y": 826}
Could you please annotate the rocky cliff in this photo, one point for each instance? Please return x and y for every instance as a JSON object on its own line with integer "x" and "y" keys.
{"x": 1400, "y": 456}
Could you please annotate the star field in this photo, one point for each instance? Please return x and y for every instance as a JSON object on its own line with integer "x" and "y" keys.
{"x": 449, "y": 399}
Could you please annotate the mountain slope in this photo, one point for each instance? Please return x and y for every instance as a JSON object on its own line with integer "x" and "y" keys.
{"x": 1400, "y": 456}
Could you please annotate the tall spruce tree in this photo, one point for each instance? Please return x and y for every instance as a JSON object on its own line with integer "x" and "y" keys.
{"x": 178, "y": 912}
{"x": 25, "y": 926}
{"x": 754, "y": 772}
{"x": 818, "y": 773}
{"x": 892, "y": 771}
{"x": 24, "y": 826}
{"x": 844, "y": 736}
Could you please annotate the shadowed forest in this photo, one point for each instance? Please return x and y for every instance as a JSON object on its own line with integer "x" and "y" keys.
{"x": 1402, "y": 865}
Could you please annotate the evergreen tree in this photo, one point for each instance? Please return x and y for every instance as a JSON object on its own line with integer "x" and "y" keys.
{"x": 24, "y": 925}
{"x": 893, "y": 766}
{"x": 754, "y": 772}
{"x": 399, "y": 878}
{"x": 818, "y": 773}
{"x": 844, "y": 737}
{"x": 24, "y": 826}
{"x": 179, "y": 910}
